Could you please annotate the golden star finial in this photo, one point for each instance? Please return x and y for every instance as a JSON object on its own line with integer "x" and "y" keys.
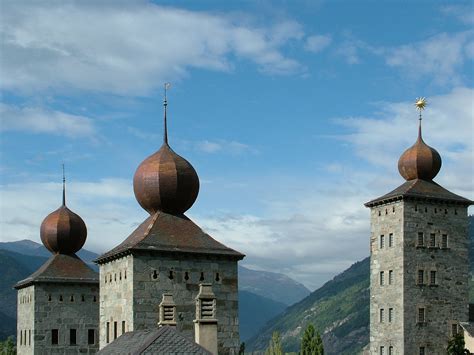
{"x": 420, "y": 103}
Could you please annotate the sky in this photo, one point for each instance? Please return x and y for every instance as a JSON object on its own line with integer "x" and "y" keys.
{"x": 293, "y": 113}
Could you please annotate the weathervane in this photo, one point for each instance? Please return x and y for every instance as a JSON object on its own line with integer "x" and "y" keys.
{"x": 420, "y": 104}
{"x": 165, "y": 104}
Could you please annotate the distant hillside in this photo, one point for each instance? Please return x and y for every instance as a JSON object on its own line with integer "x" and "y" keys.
{"x": 277, "y": 287}
{"x": 339, "y": 309}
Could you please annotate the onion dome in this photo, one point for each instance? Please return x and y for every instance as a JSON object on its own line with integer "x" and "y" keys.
{"x": 63, "y": 231}
{"x": 166, "y": 181}
{"x": 420, "y": 161}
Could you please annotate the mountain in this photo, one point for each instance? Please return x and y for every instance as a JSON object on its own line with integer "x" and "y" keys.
{"x": 277, "y": 287}
{"x": 339, "y": 310}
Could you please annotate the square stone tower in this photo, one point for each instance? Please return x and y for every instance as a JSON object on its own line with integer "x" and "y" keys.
{"x": 419, "y": 260}
{"x": 167, "y": 254}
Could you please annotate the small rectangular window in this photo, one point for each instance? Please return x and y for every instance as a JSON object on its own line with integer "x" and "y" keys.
{"x": 454, "y": 329}
{"x": 54, "y": 336}
{"x": 115, "y": 330}
{"x": 390, "y": 240}
{"x": 421, "y": 276}
{"x": 390, "y": 277}
{"x": 432, "y": 277}
{"x": 390, "y": 350}
{"x": 444, "y": 241}
{"x": 381, "y": 315}
{"x": 29, "y": 337}
{"x": 390, "y": 315}
{"x": 382, "y": 241}
{"x": 432, "y": 240}
{"x": 421, "y": 239}
{"x": 123, "y": 326}
{"x": 72, "y": 336}
{"x": 382, "y": 278}
{"x": 91, "y": 336}
{"x": 422, "y": 350}
{"x": 421, "y": 315}
{"x": 382, "y": 350}
{"x": 107, "y": 332}
{"x": 21, "y": 337}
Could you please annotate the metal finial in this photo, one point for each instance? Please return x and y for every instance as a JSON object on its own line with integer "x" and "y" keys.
{"x": 420, "y": 106}
{"x": 165, "y": 104}
{"x": 64, "y": 187}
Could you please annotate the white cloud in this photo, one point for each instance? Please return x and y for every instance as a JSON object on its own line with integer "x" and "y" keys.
{"x": 222, "y": 146}
{"x": 129, "y": 48}
{"x": 439, "y": 57}
{"x": 39, "y": 120}
{"x": 465, "y": 13}
{"x": 317, "y": 43}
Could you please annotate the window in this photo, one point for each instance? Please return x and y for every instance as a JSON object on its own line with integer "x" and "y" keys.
{"x": 421, "y": 239}
{"x": 91, "y": 337}
{"x": 432, "y": 277}
{"x": 390, "y": 277}
{"x": 454, "y": 329}
{"x": 60, "y": 298}
{"x": 382, "y": 315}
{"x": 72, "y": 298}
{"x": 94, "y": 299}
{"x": 390, "y": 315}
{"x": 21, "y": 337}
{"x": 422, "y": 350}
{"x": 186, "y": 276}
{"x": 83, "y": 298}
{"x": 115, "y": 330}
{"x": 382, "y": 241}
{"x": 123, "y": 326}
{"x": 107, "y": 332}
{"x": 29, "y": 337}
{"x": 421, "y": 315}
{"x": 390, "y": 240}
{"x": 202, "y": 277}
{"x": 382, "y": 350}
{"x": 432, "y": 240}
{"x": 421, "y": 275}
{"x": 382, "y": 278}
{"x": 444, "y": 241}
{"x": 54, "y": 337}
{"x": 390, "y": 350}
{"x": 49, "y": 297}
{"x": 72, "y": 336}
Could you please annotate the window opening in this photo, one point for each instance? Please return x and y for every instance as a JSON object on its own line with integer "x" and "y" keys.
{"x": 432, "y": 240}
{"x": 421, "y": 275}
{"x": 202, "y": 277}
{"x": 390, "y": 240}
{"x": 154, "y": 275}
{"x": 108, "y": 332}
{"x": 123, "y": 326}
{"x": 54, "y": 336}
{"x": 72, "y": 336}
{"x": 444, "y": 241}
{"x": 421, "y": 315}
{"x": 217, "y": 277}
{"x": 433, "y": 277}
{"x": 91, "y": 336}
{"x": 390, "y": 277}
{"x": 186, "y": 276}
{"x": 381, "y": 315}
{"x": 390, "y": 315}
{"x": 382, "y": 278}
{"x": 170, "y": 276}
{"x": 421, "y": 239}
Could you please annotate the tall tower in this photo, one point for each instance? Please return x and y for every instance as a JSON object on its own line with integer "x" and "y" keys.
{"x": 167, "y": 254}
{"x": 58, "y": 309}
{"x": 419, "y": 259}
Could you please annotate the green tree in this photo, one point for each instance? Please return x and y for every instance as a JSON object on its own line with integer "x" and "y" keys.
{"x": 311, "y": 343}
{"x": 274, "y": 348}
{"x": 7, "y": 347}
{"x": 242, "y": 348}
{"x": 456, "y": 345}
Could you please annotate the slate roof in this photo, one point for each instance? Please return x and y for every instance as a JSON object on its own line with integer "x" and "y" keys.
{"x": 163, "y": 340}
{"x": 420, "y": 190}
{"x": 169, "y": 233}
{"x": 62, "y": 268}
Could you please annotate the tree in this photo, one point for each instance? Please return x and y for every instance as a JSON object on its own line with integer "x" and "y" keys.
{"x": 7, "y": 347}
{"x": 456, "y": 345}
{"x": 311, "y": 343}
{"x": 242, "y": 348}
{"x": 274, "y": 348}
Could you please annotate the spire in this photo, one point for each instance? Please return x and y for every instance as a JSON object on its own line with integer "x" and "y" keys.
{"x": 420, "y": 106}
{"x": 64, "y": 187}
{"x": 165, "y": 104}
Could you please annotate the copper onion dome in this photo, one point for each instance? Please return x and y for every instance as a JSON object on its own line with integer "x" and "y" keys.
{"x": 420, "y": 161}
{"x": 63, "y": 231}
{"x": 166, "y": 181}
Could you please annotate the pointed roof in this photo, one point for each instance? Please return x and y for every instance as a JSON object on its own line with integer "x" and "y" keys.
{"x": 61, "y": 268}
{"x": 418, "y": 189}
{"x": 165, "y": 340}
{"x": 163, "y": 232}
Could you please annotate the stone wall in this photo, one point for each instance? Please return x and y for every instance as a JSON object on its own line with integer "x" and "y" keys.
{"x": 179, "y": 274}
{"x": 116, "y": 298}
{"x": 64, "y": 307}
{"x": 25, "y": 322}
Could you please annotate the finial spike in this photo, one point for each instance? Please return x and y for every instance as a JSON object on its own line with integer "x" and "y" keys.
{"x": 165, "y": 104}
{"x": 420, "y": 106}
{"x": 64, "y": 187}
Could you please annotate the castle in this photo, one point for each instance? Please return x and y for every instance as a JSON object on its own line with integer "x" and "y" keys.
{"x": 65, "y": 307}
{"x": 418, "y": 259}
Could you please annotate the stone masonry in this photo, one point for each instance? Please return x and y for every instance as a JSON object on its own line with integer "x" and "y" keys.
{"x": 423, "y": 291}
{"x": 135, "y": 299}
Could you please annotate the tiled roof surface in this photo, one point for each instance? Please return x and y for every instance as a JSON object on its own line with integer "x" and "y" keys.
{"x": 164, "y": 340}
{"x": 420, "y": 189}
{"x": 62, "y": 268}
{"x": 166, "y": 232}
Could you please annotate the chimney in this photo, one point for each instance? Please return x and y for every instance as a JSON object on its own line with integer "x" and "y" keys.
{"x": 167, "y": 311}
{"x": 205, "y": 324}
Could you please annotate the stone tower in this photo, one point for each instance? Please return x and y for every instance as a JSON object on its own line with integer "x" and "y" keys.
{"x": 419, "y": 260}
{"x": 167, "y": 254}
{"x": 58, "y": 308}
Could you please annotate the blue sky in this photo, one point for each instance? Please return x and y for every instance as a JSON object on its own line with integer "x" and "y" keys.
{"x": 294, "y": 114}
